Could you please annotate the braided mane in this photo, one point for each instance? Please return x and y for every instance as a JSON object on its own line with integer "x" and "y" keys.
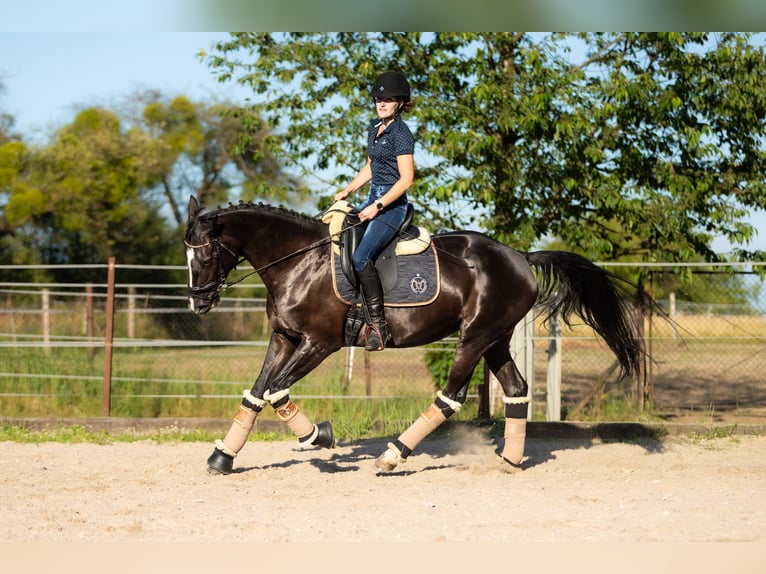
{"x": 260, "y": 206}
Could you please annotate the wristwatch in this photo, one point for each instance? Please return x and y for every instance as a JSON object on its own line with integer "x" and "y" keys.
{"x": 379, "y": 205}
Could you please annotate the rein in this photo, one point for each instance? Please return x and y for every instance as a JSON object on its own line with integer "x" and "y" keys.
{"x": 216, "y": 286}
{"x": 221, "y": 284}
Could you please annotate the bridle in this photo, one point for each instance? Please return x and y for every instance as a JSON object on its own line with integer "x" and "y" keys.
{"x": 213, "y": 288}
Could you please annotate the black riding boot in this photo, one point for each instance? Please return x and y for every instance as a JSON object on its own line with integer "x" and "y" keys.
{"x": 372, "y": 292}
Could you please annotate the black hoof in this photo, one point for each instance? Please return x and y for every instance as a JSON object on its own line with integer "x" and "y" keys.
{"x": 325, "y": 437}
{"x": 220, "y": 462}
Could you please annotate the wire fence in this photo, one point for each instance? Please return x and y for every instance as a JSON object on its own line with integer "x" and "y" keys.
{"x": 167, "y": 361}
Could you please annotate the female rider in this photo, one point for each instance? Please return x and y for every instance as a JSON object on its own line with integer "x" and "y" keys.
{"x": 390, "y": 170}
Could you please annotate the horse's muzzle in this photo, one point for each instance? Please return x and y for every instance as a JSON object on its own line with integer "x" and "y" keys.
{"x": 202, "y": 300}
{"x": 200, "y": 307}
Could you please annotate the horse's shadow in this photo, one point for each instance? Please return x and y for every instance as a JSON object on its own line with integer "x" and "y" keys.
{"x": 330, "y": 461}
{"x": 541, "y": 448}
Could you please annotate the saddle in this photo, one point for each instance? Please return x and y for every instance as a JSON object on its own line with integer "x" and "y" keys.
{"x": 346, "y": 233}
{"x": 407, "y": 281}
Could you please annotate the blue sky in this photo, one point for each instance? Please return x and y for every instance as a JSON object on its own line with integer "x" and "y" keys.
{"x": 48, "y": 76}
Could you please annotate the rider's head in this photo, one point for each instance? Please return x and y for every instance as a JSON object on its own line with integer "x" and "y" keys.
{"x": 393, "y": 85}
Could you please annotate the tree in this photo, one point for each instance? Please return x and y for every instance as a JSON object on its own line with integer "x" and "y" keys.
{"x": 655, "y": 137}
{"x": 198, "y": 148}
{"x": 106, "y": 184}
{"x": 79, "y": 198}
{"x": 6, "y": 122}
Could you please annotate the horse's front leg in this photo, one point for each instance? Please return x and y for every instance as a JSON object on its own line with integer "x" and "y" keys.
{"x": 307, "y": 433}
{"x": 284, "y": 364}
{"x": 277, "y": 354}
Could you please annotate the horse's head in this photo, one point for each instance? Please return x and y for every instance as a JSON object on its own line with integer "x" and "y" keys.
{"x": 208, "y": 259}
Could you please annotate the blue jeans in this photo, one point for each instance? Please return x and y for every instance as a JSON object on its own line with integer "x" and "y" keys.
{"x": 381, "y": 229}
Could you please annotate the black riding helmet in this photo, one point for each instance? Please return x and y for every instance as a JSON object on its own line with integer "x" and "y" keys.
{"x": 391, "y": 85}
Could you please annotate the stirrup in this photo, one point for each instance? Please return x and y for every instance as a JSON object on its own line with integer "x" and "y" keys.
{"x": 370, "y": 343}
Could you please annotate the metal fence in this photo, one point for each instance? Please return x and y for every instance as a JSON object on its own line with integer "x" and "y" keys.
{"x": 709, "y": 358}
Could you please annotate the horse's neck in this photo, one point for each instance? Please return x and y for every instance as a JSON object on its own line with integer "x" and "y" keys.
{"x": 268, "y": 237}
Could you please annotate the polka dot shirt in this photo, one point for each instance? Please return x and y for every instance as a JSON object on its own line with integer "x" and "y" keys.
{"x": 396, "y": 140}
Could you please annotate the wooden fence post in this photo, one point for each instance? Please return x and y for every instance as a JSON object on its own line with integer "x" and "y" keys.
{"x": 46, "y": 316}
{"x": 131, "y": 312}
{"x": 106, "y": 404}
{"x": 89, "y": 320}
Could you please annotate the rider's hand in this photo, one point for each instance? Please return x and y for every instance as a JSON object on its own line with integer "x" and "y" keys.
{"x": 368, "y": 212}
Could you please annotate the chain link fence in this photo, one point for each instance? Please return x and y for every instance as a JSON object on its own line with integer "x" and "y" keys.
{"x": 708, "y": 351}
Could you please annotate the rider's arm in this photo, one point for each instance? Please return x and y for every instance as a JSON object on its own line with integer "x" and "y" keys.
{"x": 361, "y": 178}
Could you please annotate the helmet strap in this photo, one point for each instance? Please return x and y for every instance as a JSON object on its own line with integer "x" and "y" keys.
{"x": 396, "y": 114}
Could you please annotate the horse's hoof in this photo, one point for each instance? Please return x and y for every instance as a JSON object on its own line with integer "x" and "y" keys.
{"x": 386, "y": 462}
{"x": 220, "y": 463}
{"x": 325, "y": 436}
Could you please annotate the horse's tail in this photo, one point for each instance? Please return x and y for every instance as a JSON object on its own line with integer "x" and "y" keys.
{"x": 570, "y": 283}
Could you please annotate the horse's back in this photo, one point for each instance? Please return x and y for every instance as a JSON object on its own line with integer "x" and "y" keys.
{"x": 489, "y": 265}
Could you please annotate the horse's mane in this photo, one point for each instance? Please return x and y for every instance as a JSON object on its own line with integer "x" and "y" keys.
{"x": 260, "y": 206}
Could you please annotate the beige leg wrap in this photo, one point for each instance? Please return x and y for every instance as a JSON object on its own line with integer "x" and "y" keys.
{"x": 516, "y": 410}
{"x": 239, "y": 431}
{"x": 515, "y": 435}
{"x": 298, "y": 422}
{"x": 421, "y": 428}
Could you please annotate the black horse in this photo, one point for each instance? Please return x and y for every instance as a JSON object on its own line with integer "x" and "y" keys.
{"x": 486, "y": 288}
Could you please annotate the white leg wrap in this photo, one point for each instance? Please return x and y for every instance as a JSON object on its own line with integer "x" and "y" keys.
{"x": 274, "y": 397}
{"x": 515, "y": 436}
{"x": 252, "y": 399}
{"x": 515, "y": 400}
{"x": 454, "y": 405}
{"x": 387, "y": 461}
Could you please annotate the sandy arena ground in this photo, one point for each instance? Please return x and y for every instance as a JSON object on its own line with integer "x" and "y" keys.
{"x": 452, "y": 489}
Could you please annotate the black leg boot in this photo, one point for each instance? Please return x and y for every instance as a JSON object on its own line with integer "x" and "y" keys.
{"x": 372, "y": 292}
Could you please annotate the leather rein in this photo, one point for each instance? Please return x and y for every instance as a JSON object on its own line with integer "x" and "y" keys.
{"x": 216, "y": 286}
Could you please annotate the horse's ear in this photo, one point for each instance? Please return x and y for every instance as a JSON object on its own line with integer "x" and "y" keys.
{"x": 193, "y": 208}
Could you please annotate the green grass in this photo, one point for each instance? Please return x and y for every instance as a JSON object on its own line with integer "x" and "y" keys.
{"x": 73, "y": 434}
{"x": 718, "y": 432}
{"x": 69, "y": 434}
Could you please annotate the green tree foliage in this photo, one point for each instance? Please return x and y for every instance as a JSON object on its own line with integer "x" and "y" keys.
{"x": 622, "y": 144}
{"x": 79, "y": 198}
{"x": 12, "y": 160}
{"x": 110, "y": 184}
{"x": 215, "y": 151}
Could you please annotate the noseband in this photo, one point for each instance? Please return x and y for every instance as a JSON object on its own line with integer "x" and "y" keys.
{"x": 210, "y": 290}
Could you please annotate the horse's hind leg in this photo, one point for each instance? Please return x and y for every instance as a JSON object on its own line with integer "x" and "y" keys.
{"x": 516, "y": 400}
{"x": 444, "y": 406}
{"x": 440, "y": 410}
